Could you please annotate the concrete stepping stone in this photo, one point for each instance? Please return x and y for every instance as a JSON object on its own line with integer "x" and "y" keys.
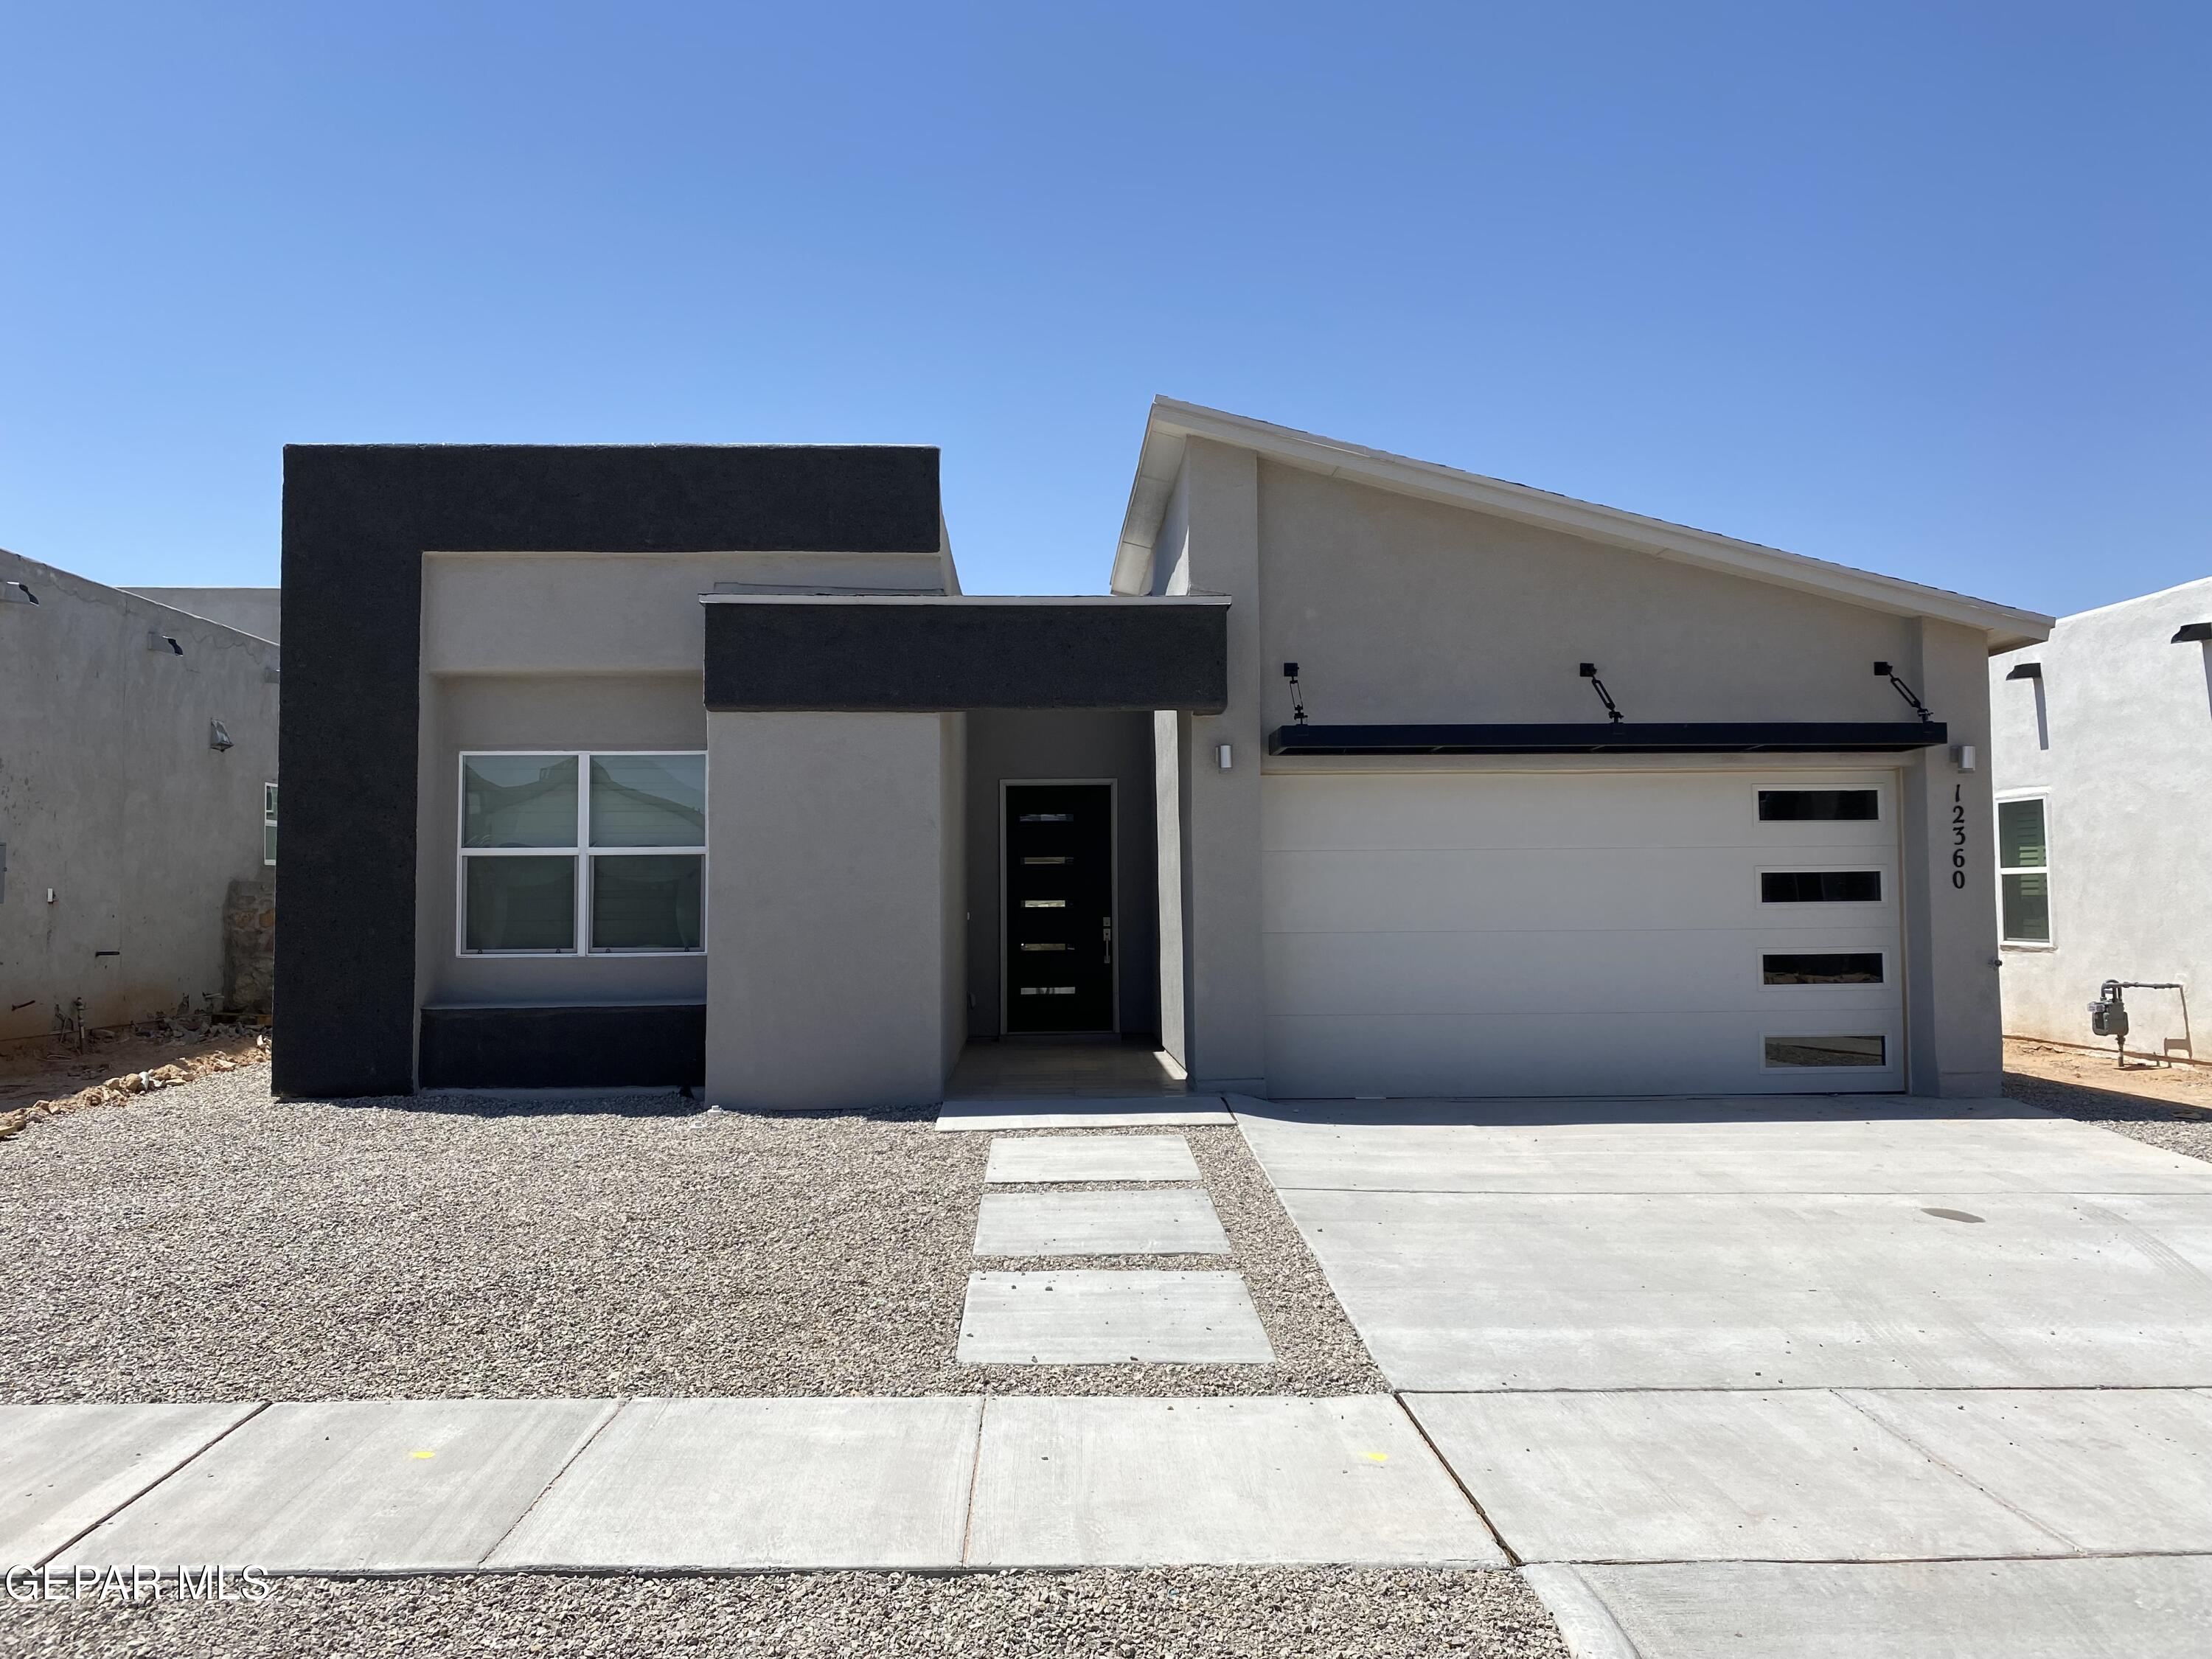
{"x": 1091, "y": 1158}
{"x": 65, "y": 1468}
{"x": 1179, "y": 1221}
{"x": 2143, "y": 1606}
{"x": 1727, "y": 1476}
{"x": 1074, "y": 1112}
{"x": 2115, "y": 1471}
{"x": 733, "y": 1486}
{"x": 1103, "y": 1317}
{"x": 1124, "y": 1482}
{"x": 346, "y": 1486}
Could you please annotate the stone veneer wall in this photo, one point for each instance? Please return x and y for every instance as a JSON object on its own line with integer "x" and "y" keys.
{"x": 249, "y": 945}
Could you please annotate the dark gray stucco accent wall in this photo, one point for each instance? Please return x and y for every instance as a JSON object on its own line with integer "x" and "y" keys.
{"x": 612, "y": 1047}
{"x": 357, "y": 519}
{"x": 853, "y": 656}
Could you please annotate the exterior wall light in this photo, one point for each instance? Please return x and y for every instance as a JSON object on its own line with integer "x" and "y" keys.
{"x": 2192, "y": 634}
{"x": 2025, "y": 671}
{"x": 218, "y": 737}
{"x": 1221, "y": 756}
{"x": 1962, "y": 755}
{"x": 16, "y": 594}
{"x": 155, "y": 642}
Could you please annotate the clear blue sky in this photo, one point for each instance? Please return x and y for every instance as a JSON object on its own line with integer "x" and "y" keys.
{"x": 1921, "y": 288}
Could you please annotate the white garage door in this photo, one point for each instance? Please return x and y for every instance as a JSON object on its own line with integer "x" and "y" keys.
{"x": 1581, "y": 933}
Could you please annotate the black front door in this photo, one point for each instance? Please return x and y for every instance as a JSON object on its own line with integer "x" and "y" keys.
{"x": 1060, "y": 907}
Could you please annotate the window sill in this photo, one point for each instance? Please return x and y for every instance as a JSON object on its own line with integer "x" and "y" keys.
{"x": 2030, "y": 946}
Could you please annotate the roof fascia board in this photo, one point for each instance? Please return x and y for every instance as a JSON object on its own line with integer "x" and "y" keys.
{"x": 2007, "y": 626}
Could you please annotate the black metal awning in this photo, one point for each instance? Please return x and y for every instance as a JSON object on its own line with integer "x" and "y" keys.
{"x": 1625, "y": 738}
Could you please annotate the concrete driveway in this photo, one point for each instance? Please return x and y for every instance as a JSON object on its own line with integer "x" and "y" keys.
{"x": 1793, "y": 1377}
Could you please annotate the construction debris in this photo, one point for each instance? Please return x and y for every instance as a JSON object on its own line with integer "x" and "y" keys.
{"x": 118, "y": 1091}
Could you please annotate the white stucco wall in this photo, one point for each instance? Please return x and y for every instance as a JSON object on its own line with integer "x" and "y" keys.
{"x": 256, "y": 611}
{"x": 835, "y": 856}
{"x": 110, "y": 796}
{"x": 2118, "y": 738}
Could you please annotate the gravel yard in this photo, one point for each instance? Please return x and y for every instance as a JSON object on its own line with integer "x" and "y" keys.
{"x": 208, "y": 1243}
{"x": 1193, "y": 1613}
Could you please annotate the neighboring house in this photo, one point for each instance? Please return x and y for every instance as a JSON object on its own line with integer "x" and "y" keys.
{"x": 138, "y": 806}
{"x": 2101, "y": 753}
{"x": 256, "y": 611}
{"x": 675, "y": 764}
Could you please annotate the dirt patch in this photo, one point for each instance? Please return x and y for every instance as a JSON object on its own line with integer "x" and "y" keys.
{"x": 53, "y": 1076}
{"x": 2164, "y": 1106}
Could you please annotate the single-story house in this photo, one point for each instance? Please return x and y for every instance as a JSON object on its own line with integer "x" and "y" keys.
{"x": 2101, "y": 749}
{"x": 1366, "y": 777}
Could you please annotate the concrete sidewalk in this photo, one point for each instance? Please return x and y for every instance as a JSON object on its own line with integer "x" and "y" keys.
{"x": 731, "y": 1486}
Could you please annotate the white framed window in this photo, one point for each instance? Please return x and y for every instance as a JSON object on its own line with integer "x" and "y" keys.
{"x": 269, "y": 824}
{"x": 577, "y": 852}
{"x": 2024, "y": 871}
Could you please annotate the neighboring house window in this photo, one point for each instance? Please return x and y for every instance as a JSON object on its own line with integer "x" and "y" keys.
{"x": 268, "y": 824}
{"x": 2024, "y": 872}
{"x": 566, "y": 854}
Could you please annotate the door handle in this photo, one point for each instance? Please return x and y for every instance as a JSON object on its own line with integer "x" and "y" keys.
{"x": 1106, "y": 928}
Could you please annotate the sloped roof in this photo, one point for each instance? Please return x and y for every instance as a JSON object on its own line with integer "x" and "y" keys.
{"x": 1171, "y": 424}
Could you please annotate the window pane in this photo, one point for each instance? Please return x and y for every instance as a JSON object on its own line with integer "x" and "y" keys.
{"x": 1789, "y": 806}
{"x": 1819, "y": 886}
{"x": 518, "y": 801}
{"x": 1823, "y": 968}
{"x": 2020, "y": 834}
{"x": 648, "y": 800}
{"x": 521, "y": 904}
{"x": 269, "y": 844}
{"x": 648, "y": 903}
{"x": 1825, "y": 1051}
{"x": 2026, "y": 909}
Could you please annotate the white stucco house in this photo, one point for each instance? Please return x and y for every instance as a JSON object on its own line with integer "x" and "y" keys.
{"x": 2102, "y": 756}
{"x": 1365, "y": 776}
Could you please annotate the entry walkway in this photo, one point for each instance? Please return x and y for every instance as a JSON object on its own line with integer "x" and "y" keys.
{"x": 1832, "y": 1375}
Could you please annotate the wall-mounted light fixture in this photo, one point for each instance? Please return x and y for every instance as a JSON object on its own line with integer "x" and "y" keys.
{"x": 2192, "y": 634}
{"x": 162, "y": 642}
{"x": 218, "y": 737}
{"x": 270, "y": 675}
{"x": 1221, "y": 756}
{"x": 16, "y": 594}
{"x": 1612, "y": 712}
{"x": 2025, "y": 671}
{"x": 1962, "y": 756}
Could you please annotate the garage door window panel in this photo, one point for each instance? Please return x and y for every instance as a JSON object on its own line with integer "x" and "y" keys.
{"x": 1822, "y": 886}
{"x": 1826, "y": 1053}
{"x": 1815, "y": 967}
{"x": 1830, "y": 805}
